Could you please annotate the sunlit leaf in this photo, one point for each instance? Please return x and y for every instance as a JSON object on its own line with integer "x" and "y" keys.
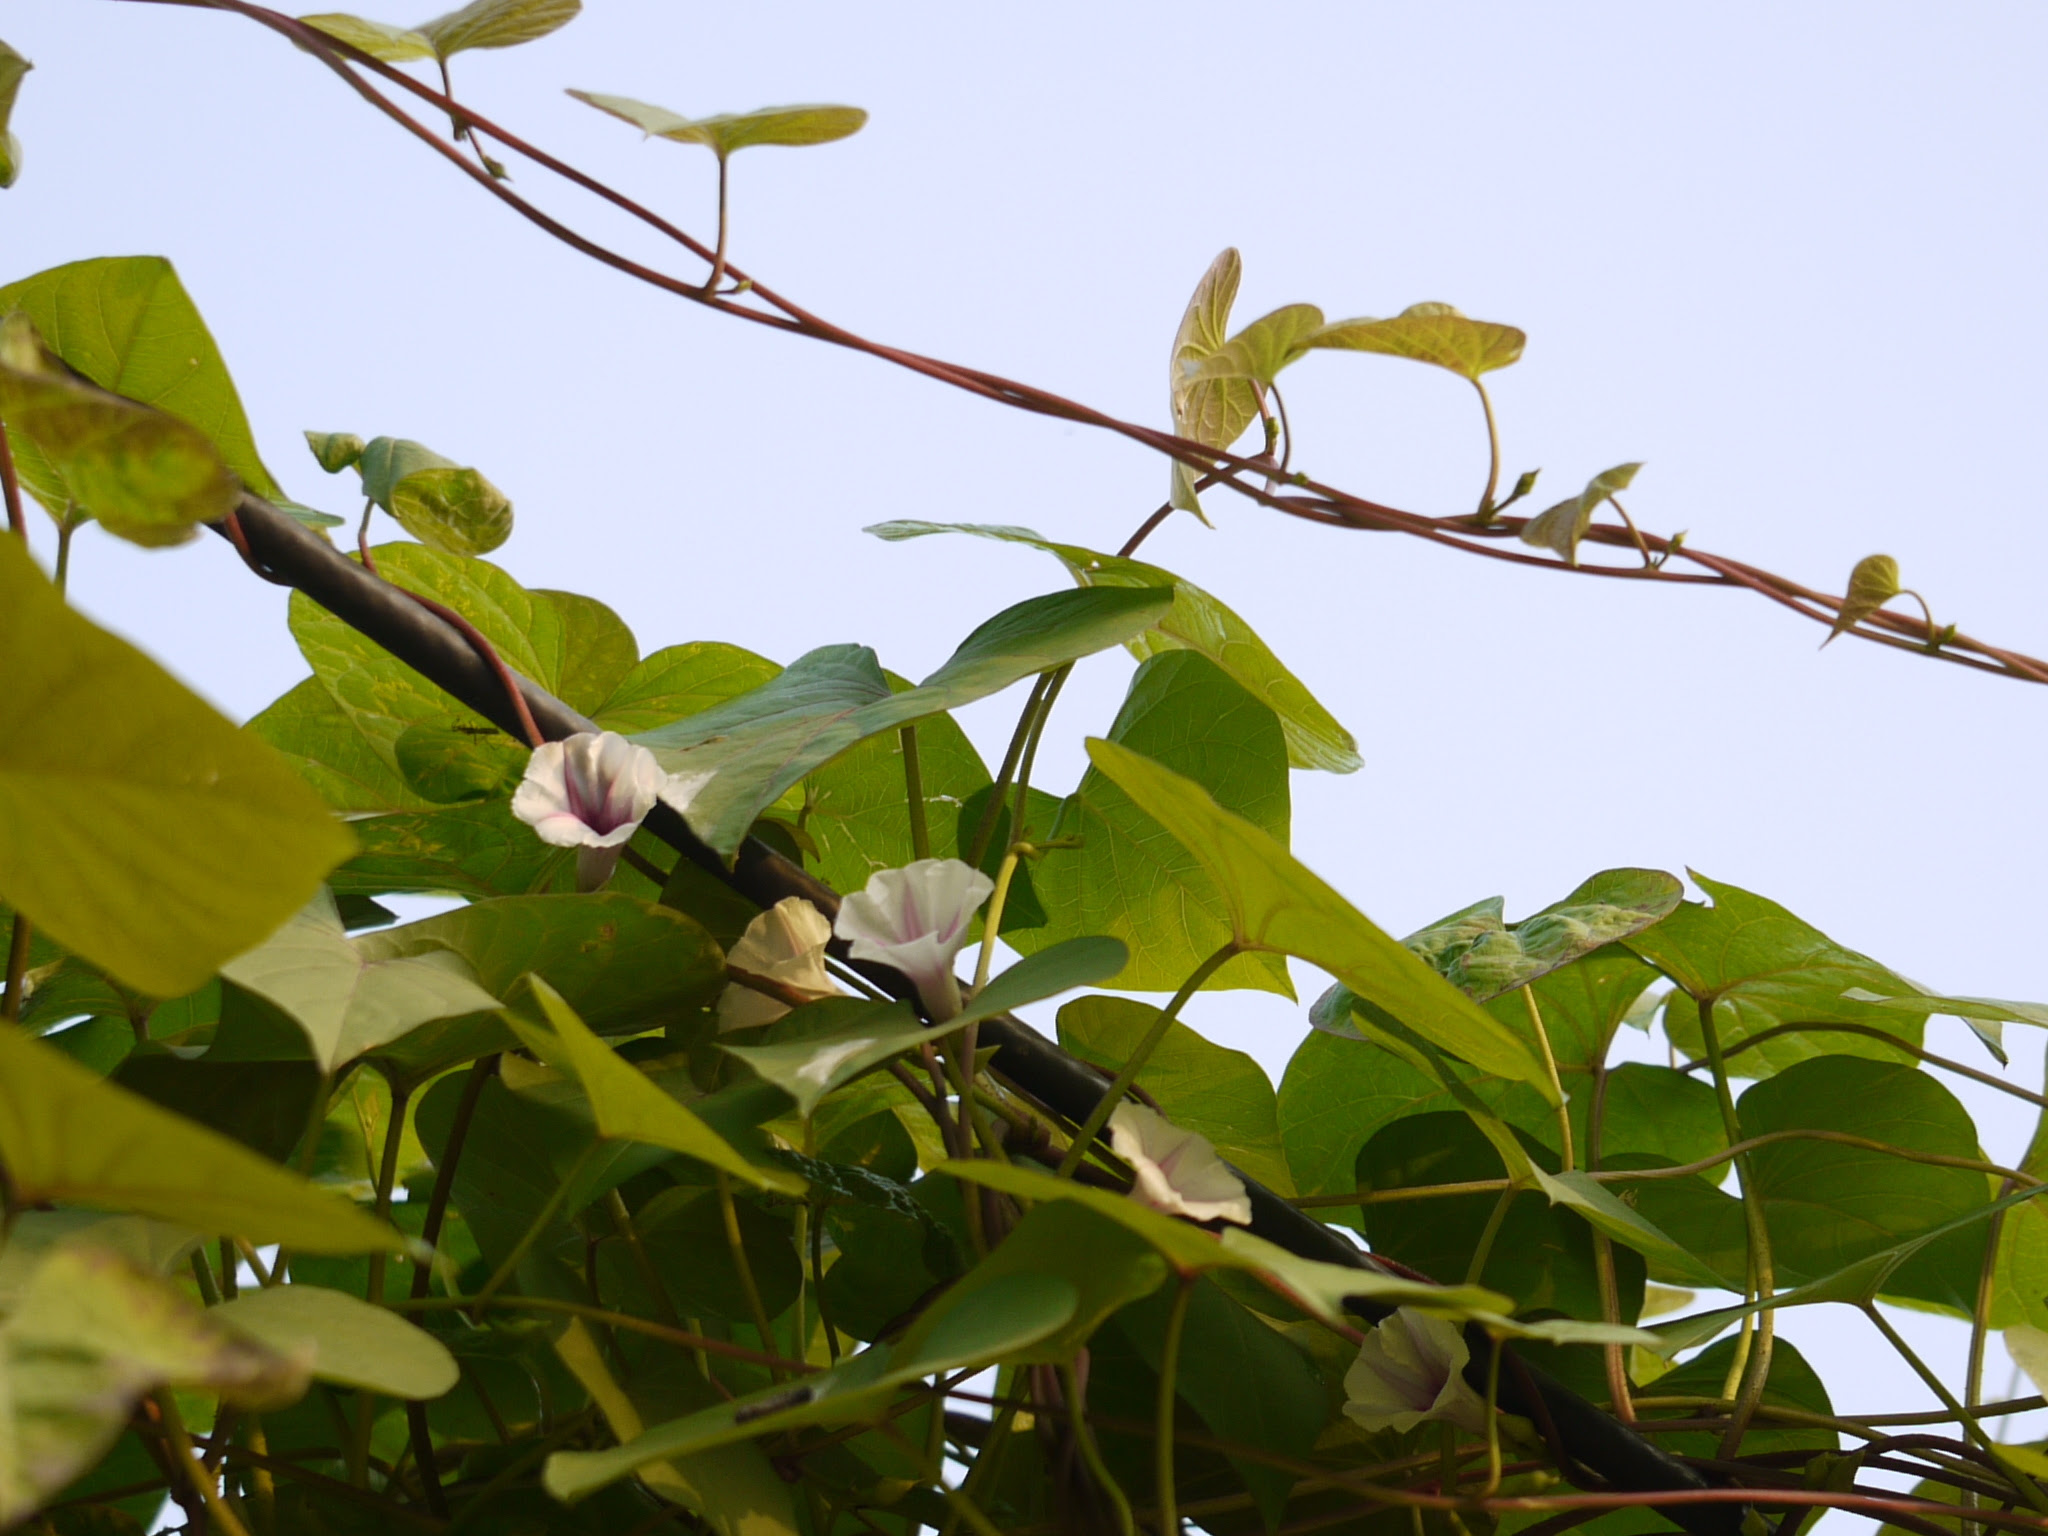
{"x": 1196, "y": 622}
{"x": 1202, "y": 412}
{"x": 760, "y": 744}
{"x": 1561, "y": 527}
{"x": 347, "y": 1002}
{"x": 91, "y": 1335}
{"x": 1429, "y": 333}
{"x": 12, "y": 67}
{"x": 1873, "y": 583}
{"x": 729, "y": 131}
{"x": 990, "y": 1323}
{"x": 439, "y": 502}
{"x": 146, "y": 475}
{"x": 128, "y": 325}
{"x": 379, "y": 39}
{"x": 343, "y": 1339}
{"x": 1261, "y": 349}
{"x": 1277, "y": 905}
{"x": 335, "y": 451}
{"x": 497, "y": 24}
{"x": 137, "y": 826}
{"x": 147, "y": 1160}
{"x": 628, "y": 1106}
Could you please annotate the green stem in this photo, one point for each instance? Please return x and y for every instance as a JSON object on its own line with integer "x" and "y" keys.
{"x": 10, "y": 489}
{"x": 1756, "y": 1370}
{"x": 2024, "y": 1485}
{"x": 1615, "y": 1356}
{"x": 1091, "y": 1453}
{"x": 983, "y": 1470}
{"x": 540, "y": 1223}
{"x": 963, "y": 1507}
{"x": 1564, "y": 1112}
{"x": 702, "y": 1343}
{"x": 387, "y": 1175}
{"x": 985, "y": 829}
{"x": 17, "y": 968}
{"x": 992, "y": 917}
{"x": 1043, "y": 713}
{"x": 1162, "y": 1429}
{"x": 1493, "y": 1464}
{"x": 187, "y": 1458}
{"x": 1484, "y": 1249}
{"x": 643, "y": 1262}
{"x": 202, "y": 1276}
{"x": 817, "y": 1236}
{"x": 913, "y": 793}
{"x": 718, "y": 257}
{"x": 742, "y": 1266}
{"x": 1099, "y": 1116}
{"x": 1486, "y": 508}
{"x": 62, "y": 574}
{"x": 480, "y": 1072}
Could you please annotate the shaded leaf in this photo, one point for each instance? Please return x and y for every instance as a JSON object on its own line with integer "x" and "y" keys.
{"x": 1561, "y": 527}
{"x": 154, "y": 1163}
{"x": 442, "y": 504}
{"x": 857, "y": 816}
{"x": 760, "y": 744}
{"x": 12, "y": 67}
{"x": 146, "y": 475}
{"x": 335, "y": 451}
{"x": 343, "y": 1340}
{"x": 1484, "y": 957}
{"x": 445, "y": 766}
{"x": 347, "y": 1002}
{"x": 497, "y": 24}
{"x": 1277, "y": 905}
{"x": 379, "y": 39}
{"x": 138, "y": 826}
{"x": 729, "y": 131}
{"x": 1430, "y": 333}
{"x": 1873, "y": 583}
{"x": 1196, "y": 622}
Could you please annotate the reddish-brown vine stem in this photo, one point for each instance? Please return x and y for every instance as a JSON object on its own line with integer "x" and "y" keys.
{"x": 1324, "y": 504}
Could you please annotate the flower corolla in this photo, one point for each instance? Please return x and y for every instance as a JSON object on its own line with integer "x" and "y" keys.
{"x": 786, "y": 944}
{"x": 1411, "y": 1370}
{"x": 1177, "y": 1171}
{"x": 915, "y": 919}
{"x": 590, "y": 792}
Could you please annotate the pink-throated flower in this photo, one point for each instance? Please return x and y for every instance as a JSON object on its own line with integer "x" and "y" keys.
{"x": 916, "y": 919}
{"x": 590, "y": 792}
{"x": 1177, "y": 1171}
{"x": 1411, "y": 1370}
{"x": 786, "y": 944}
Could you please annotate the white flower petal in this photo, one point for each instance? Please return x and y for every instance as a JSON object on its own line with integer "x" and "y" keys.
{"x": 786, "y": 944}
{"x": 590, "y": 790}
{"x": 916, "y": 919}
{"x": 1411, "y": 1370}
{"x": 1176, "y": 1170}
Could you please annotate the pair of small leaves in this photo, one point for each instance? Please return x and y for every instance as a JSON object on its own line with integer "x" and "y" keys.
{"x": 482, "y": 24}
{"x": 445, "y": 505}
{"x": 1561, "y": 527}
{"x": 729, "y": 131}
{"x": 12, "y": 67}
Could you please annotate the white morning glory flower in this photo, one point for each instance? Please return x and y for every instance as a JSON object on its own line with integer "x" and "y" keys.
{"x": 590, "y": 792}
{"x": 786, "y": 944}
{"x": 1411, "y": 1370}
{"x": 1177, "y": 1171}
{"x": 915, "y": 919}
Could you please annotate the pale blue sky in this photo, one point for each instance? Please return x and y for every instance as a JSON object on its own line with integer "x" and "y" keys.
{"x": 1789, "y": 256}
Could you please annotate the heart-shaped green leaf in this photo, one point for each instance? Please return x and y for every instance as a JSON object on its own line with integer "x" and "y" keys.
{"x": 729, "y": 131}
{"x": 1430, "y": 333}
{"x": 1561, "y": 527}
{"x": 343, "y": 1340}
{"x": 1873, "y": 583}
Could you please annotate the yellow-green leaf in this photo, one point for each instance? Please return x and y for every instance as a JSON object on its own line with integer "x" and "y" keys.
{"x": 379, "y": 39}
{"x": 1873, "y": 583}
{"x": 1201, "y": 412}
{"x": 1263, "y": 348}
{"x": 335, "y": 451}
{"x": 343, "y": 1340}
{"x": 137, "y": 825}
{"x": 497, "y": 24}
{"x": 1561, "y": 527}
{"x": 141, "y": 1158}
{"x": 146, "y": 475}
{"x": 1277, "y": 904}
{"x": 627, "y": 1105}
{"x": 1430, "y": 333}
{"x": 12, "y": 67}
{"x": 729, "y": 131}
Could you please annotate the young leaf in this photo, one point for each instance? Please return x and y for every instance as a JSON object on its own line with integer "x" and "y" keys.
{"x": 12, "y": 67}
{"x": 1561, "y": 527}
{"x": 1429, "y": 333}
{"x": 1197, "y": 622}
{"x": 1873, "y": 583}
{"x": 335, "y": 451}
{"x": 442, "y": 504}
{"x": 1263, "y": 348}
{"x": 127, "y": 324}
{"x": 497, "y": 24}
{"x": 627, "y": 1105}
{"x": 1276, "y": 904}
{"x": 343, "y": 1340}
{"x": 729, "y": 131}
{"x": 348, "y": 1003}
{"x": 379, "y": 39}
{"x": 90, "y": 1337}
{"x": 147, "y": 1160}
{"x": 138, "y": 826}
{"x": 1203, "y": 329}
{"x": 146, "y": 475}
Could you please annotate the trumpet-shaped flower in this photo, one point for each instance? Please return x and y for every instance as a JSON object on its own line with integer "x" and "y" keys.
{"x": 590, "y": 792}
{"x": 1177, "y": 1170}
{"x": 1411, "y": 1370}
{"x": 786, "y": 944}
{"x": 915, "y": 919}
